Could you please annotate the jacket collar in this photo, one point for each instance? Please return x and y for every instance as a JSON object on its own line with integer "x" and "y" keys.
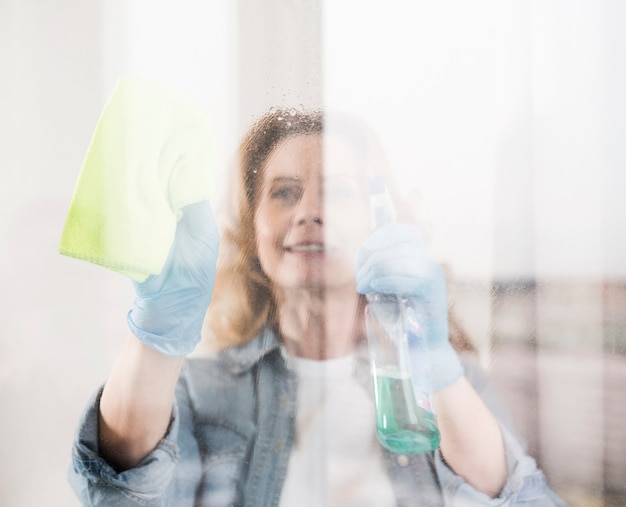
{"x": 243, "y": 358}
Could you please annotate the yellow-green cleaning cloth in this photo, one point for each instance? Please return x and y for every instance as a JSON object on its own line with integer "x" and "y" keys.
{"x": 150, "y": 155}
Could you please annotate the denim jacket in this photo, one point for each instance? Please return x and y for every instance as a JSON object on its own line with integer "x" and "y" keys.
{"x": 230, "y": 436}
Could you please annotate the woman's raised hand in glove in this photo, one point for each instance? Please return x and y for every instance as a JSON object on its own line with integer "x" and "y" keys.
{"x": 169, "y": 308}
{"x": 393, "y": 260}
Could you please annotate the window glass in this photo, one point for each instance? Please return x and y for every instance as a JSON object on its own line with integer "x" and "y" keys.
{"x": 500, "y": 124}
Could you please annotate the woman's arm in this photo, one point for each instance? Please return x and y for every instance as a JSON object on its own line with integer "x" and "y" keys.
{"x": 393, "y": 260}
{"x": 471, "y": 441}
{"x": 166, "y": 321}
{"x": 136, "y": 404}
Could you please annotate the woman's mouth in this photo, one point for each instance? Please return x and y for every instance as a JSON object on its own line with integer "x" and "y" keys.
{"x": 306, "y": 248}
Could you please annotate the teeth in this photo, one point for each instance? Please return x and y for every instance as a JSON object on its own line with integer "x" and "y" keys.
{"x": 307, "y": 248}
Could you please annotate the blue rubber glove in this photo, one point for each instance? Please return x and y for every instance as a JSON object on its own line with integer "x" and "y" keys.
{"x": 169, "y": 308}
{"x": 393, "y": 260}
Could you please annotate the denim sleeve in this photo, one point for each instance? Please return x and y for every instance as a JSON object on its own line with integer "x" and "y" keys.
{"x": 154, "y": 482}
{"x": 526, "y": 484}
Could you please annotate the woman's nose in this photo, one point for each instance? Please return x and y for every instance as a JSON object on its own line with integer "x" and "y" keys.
{"x": 310, "y": 208}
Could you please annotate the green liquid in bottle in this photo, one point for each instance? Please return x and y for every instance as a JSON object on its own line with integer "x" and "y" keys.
{"x": 402, "y": 425}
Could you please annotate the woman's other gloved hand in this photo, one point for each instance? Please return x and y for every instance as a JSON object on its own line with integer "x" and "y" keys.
{"x": 169, "y": 308}
{"x": 393, "y": 260}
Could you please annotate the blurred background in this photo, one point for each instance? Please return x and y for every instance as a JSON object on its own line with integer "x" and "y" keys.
{"x": 504, "y": 121}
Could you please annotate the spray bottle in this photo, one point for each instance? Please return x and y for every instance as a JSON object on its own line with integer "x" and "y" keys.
{"x": 405, "y": 421}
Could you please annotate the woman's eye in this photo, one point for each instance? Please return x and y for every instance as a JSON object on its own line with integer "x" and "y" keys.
{"x": 289, "y": 193}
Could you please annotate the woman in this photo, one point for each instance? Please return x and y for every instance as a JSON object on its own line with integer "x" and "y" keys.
{"x": 282, "y": 413}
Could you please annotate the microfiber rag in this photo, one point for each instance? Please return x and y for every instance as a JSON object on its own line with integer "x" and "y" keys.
{"x": 150, "y": 155}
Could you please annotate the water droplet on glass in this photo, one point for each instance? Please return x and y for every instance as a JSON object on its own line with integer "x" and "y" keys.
{"x": 292, "y": 112}
{"x": 280, "y": 118}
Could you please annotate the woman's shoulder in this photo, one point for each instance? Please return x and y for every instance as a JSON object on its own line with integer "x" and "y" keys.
{"x": 234, "y": 360}
{"x": 214, "y": 395}
{"x": 223, "y": 381}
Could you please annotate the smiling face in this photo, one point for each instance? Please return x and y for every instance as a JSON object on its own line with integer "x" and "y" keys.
{"x": 311, "y": 213}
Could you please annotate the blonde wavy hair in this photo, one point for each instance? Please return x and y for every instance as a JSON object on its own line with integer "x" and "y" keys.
{"x": 243, "y": 302}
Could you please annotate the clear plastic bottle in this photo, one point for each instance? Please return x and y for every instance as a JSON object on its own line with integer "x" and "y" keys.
{"x": 405, "y": 421}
